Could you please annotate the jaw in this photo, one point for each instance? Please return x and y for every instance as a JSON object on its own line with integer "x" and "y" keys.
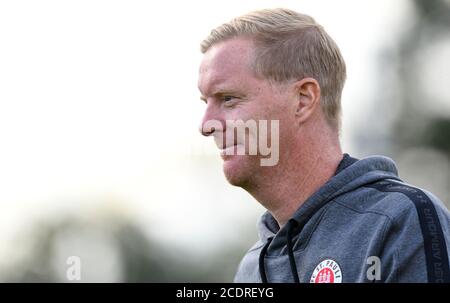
{"x": 240, "y": 170}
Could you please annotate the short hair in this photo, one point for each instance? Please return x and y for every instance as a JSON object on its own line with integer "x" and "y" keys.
{"x": 290, "y": 46}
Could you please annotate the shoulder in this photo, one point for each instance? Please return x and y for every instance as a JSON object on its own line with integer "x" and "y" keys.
{"x": 397, "y": 201}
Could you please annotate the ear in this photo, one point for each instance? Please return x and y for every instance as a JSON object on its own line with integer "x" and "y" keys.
{"x": 307, "y": 91}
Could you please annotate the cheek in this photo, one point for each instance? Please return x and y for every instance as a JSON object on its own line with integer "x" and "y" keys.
{"x": 277, "y": 109}
{"x": 264, "y": 107}
{"x": 286, "y": 121}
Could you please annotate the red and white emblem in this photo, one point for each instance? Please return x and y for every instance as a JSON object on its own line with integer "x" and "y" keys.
{"x": 328, "y": 271}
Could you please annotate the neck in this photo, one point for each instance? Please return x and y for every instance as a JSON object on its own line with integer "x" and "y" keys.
{"x": 283, "y": 188}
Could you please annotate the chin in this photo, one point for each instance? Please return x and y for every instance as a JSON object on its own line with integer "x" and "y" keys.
{"x": 239, "y": 170}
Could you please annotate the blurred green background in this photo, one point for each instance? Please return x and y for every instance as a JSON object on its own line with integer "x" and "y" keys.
{"x": 169, "y": 215}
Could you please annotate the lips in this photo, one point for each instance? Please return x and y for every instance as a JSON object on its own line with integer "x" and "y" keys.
{"x": 228, "y": 148}
{"x": 235, "y": 149}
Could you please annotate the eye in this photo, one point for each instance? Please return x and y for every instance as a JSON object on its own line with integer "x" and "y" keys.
{"x": 227, "y": 98}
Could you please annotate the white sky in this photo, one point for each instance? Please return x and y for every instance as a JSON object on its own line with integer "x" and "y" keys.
{"x": 99, "y": 102}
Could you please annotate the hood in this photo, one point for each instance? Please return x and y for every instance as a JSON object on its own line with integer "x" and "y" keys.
{"x": 351, "y": 174}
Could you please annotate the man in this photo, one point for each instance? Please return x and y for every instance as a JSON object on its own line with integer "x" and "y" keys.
{"x": 330, "y": 217}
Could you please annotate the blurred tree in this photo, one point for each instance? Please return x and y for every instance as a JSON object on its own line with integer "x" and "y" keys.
{"x": 403, "y": 114}
{"x": 409, "y": 116}
{"x": 141, "y": 259}
{"x": 416, "y": 124}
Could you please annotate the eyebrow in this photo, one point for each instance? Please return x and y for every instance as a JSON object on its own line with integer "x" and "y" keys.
{"x": 222, "y": 92}
{"x": 216, "y": 85}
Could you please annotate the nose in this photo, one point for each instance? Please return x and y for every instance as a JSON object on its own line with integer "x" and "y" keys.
{"x": 211, "y": 122}
{"x": 207, "y": 132}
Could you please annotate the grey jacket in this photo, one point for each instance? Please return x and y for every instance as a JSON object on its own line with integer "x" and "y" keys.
{"x": 363, "y": 225}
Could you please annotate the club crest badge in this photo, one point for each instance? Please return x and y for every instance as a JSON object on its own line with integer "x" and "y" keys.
{"x": 327, "y": 271}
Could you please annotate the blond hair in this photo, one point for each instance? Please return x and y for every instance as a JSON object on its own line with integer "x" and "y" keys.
{"x": 290, "y": 46}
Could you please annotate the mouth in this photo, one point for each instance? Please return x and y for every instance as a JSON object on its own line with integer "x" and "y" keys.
{"x": 231, "y": 150}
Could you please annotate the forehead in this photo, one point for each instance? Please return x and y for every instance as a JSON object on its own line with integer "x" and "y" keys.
{"x": 226, "y": 63}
